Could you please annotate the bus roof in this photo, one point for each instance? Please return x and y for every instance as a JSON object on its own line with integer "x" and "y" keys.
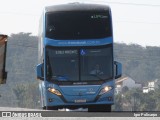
{"x": 3, "y": 35}
{"x": 77, "y": 7}
{"x": 3, "y": 38}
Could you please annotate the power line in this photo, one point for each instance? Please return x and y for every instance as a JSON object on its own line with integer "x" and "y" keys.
{"x": 153, "y": 5}
{"x": 139, "y": 22}
{"x": 123, "y": 3}
{"x": 127, "y": 3}
{"x": 18, "y": 13}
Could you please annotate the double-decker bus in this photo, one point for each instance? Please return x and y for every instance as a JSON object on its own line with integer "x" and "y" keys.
{"x": 76, "y": 65}
{"x": 3, "y": 49}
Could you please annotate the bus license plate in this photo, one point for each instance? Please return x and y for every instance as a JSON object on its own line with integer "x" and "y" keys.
{"x": 80, "y": 101}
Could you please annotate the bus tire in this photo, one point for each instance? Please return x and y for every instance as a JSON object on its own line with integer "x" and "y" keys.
{"x": 51, "y": 108}
{"x": 44, "y": 107}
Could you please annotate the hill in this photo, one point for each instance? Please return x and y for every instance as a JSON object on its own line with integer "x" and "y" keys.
{"x": 140, "y": 63}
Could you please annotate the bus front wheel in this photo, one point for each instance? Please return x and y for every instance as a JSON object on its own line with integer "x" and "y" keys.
{"x": 49, "y": 108}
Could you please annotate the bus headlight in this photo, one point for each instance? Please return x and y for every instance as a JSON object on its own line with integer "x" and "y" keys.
{"x": 105, "y": 89}
{"x": 54, "y": 91}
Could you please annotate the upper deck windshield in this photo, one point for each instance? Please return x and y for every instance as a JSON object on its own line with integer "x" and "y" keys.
{"x": 78, "y": 25}
{"x": 83, "y": 64}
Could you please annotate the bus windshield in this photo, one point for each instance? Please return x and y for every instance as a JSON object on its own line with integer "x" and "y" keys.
{"x": 78, "y": 25}
{"x": 83, "y": 64}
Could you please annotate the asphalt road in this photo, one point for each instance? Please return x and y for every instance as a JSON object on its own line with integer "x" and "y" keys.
{"x": 7, "y": 113}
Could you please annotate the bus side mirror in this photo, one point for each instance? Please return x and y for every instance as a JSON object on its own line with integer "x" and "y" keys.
{"x": 118, "y": 69}
{"x": 40, "y": 75}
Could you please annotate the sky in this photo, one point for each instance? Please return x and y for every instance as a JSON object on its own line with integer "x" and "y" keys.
{"x": 134, "y": 21}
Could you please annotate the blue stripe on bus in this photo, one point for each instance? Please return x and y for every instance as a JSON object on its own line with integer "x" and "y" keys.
{"x": 93, "y": 42}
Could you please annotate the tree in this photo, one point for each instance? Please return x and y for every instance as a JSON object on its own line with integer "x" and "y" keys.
{"x": 157, "y": 98}
{"x": 27, "y": 95}
{"x": 118, "y": 103}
